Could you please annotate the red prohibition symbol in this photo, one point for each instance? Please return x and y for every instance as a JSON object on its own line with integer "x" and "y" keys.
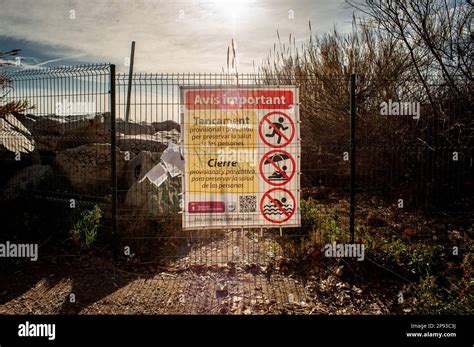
{"x": 277, "y": 206}
{"x": 277, "y": 129}
{"x": 281, "y": 175}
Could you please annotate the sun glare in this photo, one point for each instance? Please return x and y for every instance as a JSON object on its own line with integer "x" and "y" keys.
{"x": 234, "y": 9}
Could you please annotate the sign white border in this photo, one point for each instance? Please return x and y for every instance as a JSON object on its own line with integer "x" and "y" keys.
{"x": 297, "y": 141}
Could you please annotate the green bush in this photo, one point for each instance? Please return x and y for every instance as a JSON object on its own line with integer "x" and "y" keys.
{"x": 419, "y": 259}
{"x": 331, "y": 232}
{"x": 441, "y": 283}
{"x": 309, "y": 216}
{"x": 86, "y": 229}
{"x": 443, "y": 294}
{"x": 313, "y": 222}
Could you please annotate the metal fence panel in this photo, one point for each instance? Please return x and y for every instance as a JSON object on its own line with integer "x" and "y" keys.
{"x": 56, "y": 148}
{"x": 65, "y": 145}
{"x": 149, "y": 217}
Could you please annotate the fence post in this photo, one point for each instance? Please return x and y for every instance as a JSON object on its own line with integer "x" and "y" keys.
{"x": 113, "y": 161}
{"x": 130, "y": 75}
{"x": 353, "y": 155}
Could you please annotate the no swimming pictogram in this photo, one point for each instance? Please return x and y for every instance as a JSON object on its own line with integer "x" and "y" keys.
{"x": 277, "y": 205}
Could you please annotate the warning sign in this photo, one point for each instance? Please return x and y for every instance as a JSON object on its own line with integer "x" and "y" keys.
{"x": 277, "y": 167}
{"x": 241, "y": 150}
{"x": 277, "y": 205}
{"x": 277, "y": 129}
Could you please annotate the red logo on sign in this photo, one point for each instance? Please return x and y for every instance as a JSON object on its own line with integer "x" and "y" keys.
{"x": 206, "y": 207}
{"x": 278, "y": 172}
{"x": 281, "y": 129}
{"x": 277, "y": 205}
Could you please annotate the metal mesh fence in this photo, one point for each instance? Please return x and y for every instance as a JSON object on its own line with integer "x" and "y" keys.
{"x": 64, "y": 148}
{"x": 414, "y": 164}
{"x": 55, "y": 147}
{"x": 150, "y": 219}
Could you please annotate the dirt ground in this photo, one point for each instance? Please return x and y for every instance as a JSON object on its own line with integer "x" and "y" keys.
{"x": 250, "y": 281}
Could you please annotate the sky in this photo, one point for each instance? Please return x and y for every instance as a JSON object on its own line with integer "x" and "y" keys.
{"x": 171, "y": 36}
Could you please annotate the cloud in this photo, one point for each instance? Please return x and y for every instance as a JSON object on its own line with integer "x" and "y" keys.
{"x": 181, "y": 36}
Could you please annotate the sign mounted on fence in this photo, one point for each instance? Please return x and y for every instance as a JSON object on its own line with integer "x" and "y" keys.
{"x": 242, "y": 149}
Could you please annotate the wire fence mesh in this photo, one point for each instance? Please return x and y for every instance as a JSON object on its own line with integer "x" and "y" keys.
{"x": 155, "y": 112}
{"x": 63, "y": 141}
{"x": 56, "y": 147}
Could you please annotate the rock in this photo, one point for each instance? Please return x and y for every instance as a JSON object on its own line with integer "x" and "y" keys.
{"x": 54, "y": 132}
{"x": 152, "y": 143}
{"x": 168, "y": 136}
{"x": 167, "y": 125}
{"x": 152, "y": 200}
{"x": 14, "y": 136}
{"x": 139, "y": 166}
{"x": 87, "y": 167}
{"x": 132, "y": 128}
{"x": 139, "y": 143}
{"x": 26, "y": 180}
{"x": 149, "y": 207}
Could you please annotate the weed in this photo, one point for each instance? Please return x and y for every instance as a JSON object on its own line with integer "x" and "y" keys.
{"x": 86, "y": 229}
{"x": 309, "y": 216}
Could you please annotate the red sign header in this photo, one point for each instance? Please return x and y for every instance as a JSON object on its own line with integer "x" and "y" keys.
{"x": 205, "y": 99}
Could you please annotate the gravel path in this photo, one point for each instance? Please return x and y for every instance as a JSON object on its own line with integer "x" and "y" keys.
{"x": 244, "y": 282}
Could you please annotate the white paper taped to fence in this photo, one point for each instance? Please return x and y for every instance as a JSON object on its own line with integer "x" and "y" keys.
{"x": 157, "y": 175}
{"x": 241, "y": 148}
{"x": 173, "y": 160}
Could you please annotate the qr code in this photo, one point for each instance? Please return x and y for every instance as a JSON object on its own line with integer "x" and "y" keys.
{"x": 248, "y": 203}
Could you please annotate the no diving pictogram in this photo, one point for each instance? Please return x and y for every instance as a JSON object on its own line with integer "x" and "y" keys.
{"x": 277, "y": 167}
{"x": 276, "y": 129}
{"x": 277, "y": 205}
